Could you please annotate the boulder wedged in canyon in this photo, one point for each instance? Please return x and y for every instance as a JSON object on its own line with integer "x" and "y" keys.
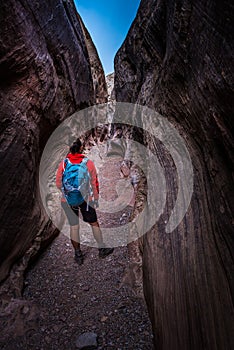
{"x": 46, "y": 75}
{"x": 177, "y": 59}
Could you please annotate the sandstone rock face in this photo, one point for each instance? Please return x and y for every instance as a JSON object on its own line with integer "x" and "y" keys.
{"x": 110, "y": 79}
{"x": 46, "y": 75}
{"x": 99, "y": 81}
{"x": 177, "y": 59}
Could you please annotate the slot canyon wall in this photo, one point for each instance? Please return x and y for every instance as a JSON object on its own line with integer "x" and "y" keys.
{"x": 49, "y": 69}
{"x": 178, "y": 60}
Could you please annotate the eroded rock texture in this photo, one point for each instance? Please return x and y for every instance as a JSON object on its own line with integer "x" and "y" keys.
{"x": 178, "y": 59}
{"x": 110, "y": 87}
{"x": 45, "y": 77}
{"x": 99, "y": 81}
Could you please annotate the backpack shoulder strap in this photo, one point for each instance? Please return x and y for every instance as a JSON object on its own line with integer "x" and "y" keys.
{"x": 65, "y": 163}
{"x": 66, "y": 160}
{"x": 84, "y": 163}
{"x": 85, "y": 160}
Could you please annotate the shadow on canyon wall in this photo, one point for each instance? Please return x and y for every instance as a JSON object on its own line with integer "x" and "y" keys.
{"x": 177, "y": 59}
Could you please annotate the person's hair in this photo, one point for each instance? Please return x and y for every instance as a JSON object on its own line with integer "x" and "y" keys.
{"x": 76, "y": 146}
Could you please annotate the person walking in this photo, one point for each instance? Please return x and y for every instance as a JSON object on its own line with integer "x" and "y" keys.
{"x": 88, "y": 205}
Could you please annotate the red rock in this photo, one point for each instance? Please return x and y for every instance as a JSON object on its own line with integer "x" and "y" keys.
{"x": 178, "y": 60}
{"x": 46, "y": 75}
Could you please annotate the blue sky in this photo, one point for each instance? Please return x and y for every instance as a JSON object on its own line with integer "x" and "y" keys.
{"x": 108, "y": 22}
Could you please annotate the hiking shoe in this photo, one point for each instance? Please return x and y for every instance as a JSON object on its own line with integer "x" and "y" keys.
{"x": 79, "y": 258}
{"x": 103, "y": 252}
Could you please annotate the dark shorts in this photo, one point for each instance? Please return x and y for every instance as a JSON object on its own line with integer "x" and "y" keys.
{"x": 72, "y": 213}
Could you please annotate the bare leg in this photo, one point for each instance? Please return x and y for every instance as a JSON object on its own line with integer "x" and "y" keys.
{"x": 75, "y": 237}
{"x": 97, "y": 233}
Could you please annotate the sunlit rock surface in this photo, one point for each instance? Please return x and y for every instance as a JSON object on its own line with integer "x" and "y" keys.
{"x": 177, "y": 59}
{"x": 98, "y": 76}
{"x": 46, "y": 75}
{"x": 110, "y": 79}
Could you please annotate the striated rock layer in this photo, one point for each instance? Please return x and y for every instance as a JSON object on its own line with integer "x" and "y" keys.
{"x": 46, "y": 75}
{"x": 177, "y": 59}
{"x": 98, "y": 75}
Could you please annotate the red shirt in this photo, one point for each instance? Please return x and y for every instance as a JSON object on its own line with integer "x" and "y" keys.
{"x": 76, "y": 159}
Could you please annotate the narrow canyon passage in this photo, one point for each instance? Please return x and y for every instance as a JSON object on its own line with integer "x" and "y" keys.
{"x": 176, "y": 60}
{"x": 70, "y": 299}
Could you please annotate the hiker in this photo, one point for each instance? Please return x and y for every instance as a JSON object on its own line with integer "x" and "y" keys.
{"x": 88, "y": 201}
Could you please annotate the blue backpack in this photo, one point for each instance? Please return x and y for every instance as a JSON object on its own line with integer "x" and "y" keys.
{"x": 76, "y": 182}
